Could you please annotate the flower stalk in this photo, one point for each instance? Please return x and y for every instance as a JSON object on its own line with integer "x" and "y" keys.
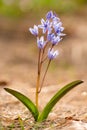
{"x": 44, "y": 76}
{"x": 37, "y": 89}
{"x": 38, "y": 77}
{"x": 52, "y": 30}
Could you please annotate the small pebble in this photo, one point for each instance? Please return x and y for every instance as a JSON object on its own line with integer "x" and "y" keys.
{"x": 84, "y": 93}
{"x": 85, "y": 115}
{"x": 52, "y": 115}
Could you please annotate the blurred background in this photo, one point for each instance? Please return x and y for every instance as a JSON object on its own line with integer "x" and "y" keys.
{"x": 18, "y": 50}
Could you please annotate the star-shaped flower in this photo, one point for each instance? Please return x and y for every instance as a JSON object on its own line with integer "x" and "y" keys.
{"x": 52, "y": 54}
{"x": 45, "y": 26}
{"x": 55, "y": 40}
{"x": 34, "y": 30}
{"x": 40, "y": 42}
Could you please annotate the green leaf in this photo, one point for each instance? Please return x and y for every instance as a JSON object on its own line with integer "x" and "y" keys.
{"x": 26, "y": 101}
{"x": 56, "y": 98}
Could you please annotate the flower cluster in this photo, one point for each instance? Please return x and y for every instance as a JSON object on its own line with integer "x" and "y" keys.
{"x": 51, "y": 33}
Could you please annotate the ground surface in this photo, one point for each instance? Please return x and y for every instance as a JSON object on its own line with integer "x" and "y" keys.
{"x": 18, "y": 71}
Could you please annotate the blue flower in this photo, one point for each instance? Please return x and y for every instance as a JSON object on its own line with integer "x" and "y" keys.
{"x": 56, "y": 20}
{"x": 34, "y": 30}
{"x": 58, "y": 28}
{"x": 45, "y": 25}
{"x": 50, "y": 36}
{"x": 52, "y": 54}
{"x": 49, "y": 15}
{"x": 55, "y": 40}
{"x": 40, "y": 42}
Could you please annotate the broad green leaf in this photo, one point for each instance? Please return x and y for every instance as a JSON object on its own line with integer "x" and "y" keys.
{"x": 56, "y": 98}
{"x": 26, "y": 101}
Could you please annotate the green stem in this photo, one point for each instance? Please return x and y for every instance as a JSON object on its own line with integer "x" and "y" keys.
{"x": 37, "y": 89}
